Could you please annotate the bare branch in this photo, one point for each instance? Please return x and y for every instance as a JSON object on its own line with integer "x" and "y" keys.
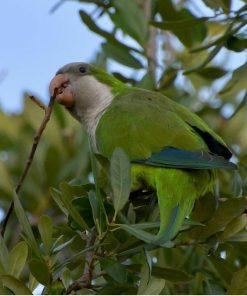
{"x": 37, "y": 102}
{"x": 37, "y": 137}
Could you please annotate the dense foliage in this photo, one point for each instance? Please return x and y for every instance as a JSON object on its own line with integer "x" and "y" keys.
{"x": 76, "y": 230}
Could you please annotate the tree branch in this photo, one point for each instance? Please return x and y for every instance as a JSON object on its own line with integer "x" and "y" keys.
{"x": 36, "y": 139}
{"x": 86, "y": 279}
{"x": 38, "y": 102}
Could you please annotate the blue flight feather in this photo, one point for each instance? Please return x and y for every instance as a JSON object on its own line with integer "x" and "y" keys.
{"x": 184, "y": 159}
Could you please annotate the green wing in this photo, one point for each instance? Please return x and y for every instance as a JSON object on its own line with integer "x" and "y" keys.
{"x": 164, "y": 136}
{"x": 146, "y": 124}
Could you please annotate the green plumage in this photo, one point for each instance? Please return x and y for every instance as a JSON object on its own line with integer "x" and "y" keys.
{"x": 143, "y": 123}
{"x": 171, "y": 149}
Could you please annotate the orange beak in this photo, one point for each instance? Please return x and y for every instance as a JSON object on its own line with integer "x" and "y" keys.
{"x": 64, "y": 94}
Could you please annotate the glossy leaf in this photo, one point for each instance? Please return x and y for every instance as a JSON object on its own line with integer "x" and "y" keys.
{"x": 131, "y": 19}
{"x": 147, "y": 81}
{"x": 149, "y": 263}
{"x": 4, "y": 256}
{"x": 234, "y": 227}
{"x": 170, "y": 274}
{"x": 120, "y": 178}
{"x": 236, "y": 43}
{"x": 89, "y": 22}
{"x": 21, "y": 215}
{"x": 17, "y": 259}
{"x": 95, "y": 207}
{"x": 138, "y": 233}
{"x": 224, "y": 268}
{"x": 65, "y": 203}
{"x": 227, "y": 211}
{"x": 16, "y": 286}
{"x": 182, "y": 23}
{"x": 154, "y": 287}
{"x": 121, "y": 55}
{"x": 211, "y": 73}
{"x": 56, "y": 195}
{"x": 238, "y": 285}
{"x": 114, "y": 269}
{"x": 45, "y": 230}
{"x": 237, "y": 75}
{"x": 179, "y": 24}
{"x": 40, "y": 271}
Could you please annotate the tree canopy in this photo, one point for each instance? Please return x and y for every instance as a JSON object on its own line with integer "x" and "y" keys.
{"x": 74, "y": 230}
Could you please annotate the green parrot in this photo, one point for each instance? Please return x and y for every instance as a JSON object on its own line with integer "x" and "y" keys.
{"x": 171, "y": 150}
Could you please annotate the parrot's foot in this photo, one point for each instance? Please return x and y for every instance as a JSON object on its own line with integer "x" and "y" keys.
{"x": 141, "y": 193}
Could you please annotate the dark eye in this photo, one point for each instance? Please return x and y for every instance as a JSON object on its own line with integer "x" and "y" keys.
{"x": 83, "y": 69}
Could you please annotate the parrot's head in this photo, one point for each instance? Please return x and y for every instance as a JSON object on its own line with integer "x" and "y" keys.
{"x": 83, "y": 89}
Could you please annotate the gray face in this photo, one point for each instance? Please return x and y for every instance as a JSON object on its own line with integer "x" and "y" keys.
{"x": 79, "y": 91}
{"x": 75, "y": 68}
{"x": 64, "y": 81}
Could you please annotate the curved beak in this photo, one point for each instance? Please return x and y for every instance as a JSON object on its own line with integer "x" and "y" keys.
{"x": 64, "y": 95}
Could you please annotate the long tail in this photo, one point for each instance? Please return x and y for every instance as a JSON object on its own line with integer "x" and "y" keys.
{"x": 177, "y": 190}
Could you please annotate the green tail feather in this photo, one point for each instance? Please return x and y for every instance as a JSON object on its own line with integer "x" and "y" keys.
{"x": 177, "y": 190}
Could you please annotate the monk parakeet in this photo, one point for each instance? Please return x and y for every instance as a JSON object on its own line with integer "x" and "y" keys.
{"x": 171, "y": 149}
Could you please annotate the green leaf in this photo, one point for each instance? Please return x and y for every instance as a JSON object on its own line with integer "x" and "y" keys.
{"x": 235, "y": 226}
{"x": 33, "y": 283}
{"x": 147, "y": 225}
{"x": 45, "y": 230}
{"x": 17, "y": 259}
{"x": 114, "y": 269}
{"x": 57, "y": 248}
{"x": 149, "y": 263}
{"x": 121, "y": 55}
{"x": 208, "y": 59}
{"x": 154, "y": 287}
{"x": 52, "y": 165}
{"x": 95, "y": 207}
{"x": 204, "y": 208}
{"x": 147, "y": 81}
{"x": 40, "y": 271}
{"x": 238, "y": 76}
{"x": 224, "y": 268}
{"x": 227, "y": 211}
{"x": 120, "y": 178}
{"x": 211, "y": 73}
{"x": 131, "y": 19}
{"x": 16, "y": 286}
{"x": 138, "y": 233}
{"x": 239, "y": 237}
{"x": 66, "y": 278}
{"x": 236, "y": 43}
{"x": 21, "y": 215}
{"x": 218, "y": 4}
{"x": 4, "y": 256}
{"x": 131, "y": 215}
{"x": 56, "y": 195}
{"x": 171, "y": 274}
{"x": 103, "y": 218}
{"x": 65, "y": 203}
{"x": 238, "y": 284}
{"x": 89, "y": 22}
{"x": 179, "y": 24}
{"x": 83, "y": 207}
{"x": 237, "y": 182}
{"x": 188, "y": 29}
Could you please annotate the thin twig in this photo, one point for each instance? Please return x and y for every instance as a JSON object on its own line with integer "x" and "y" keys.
{"x": 86, "y": 279}
{"x": 38, "y": 102}
{"x": 36, "y": 139}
